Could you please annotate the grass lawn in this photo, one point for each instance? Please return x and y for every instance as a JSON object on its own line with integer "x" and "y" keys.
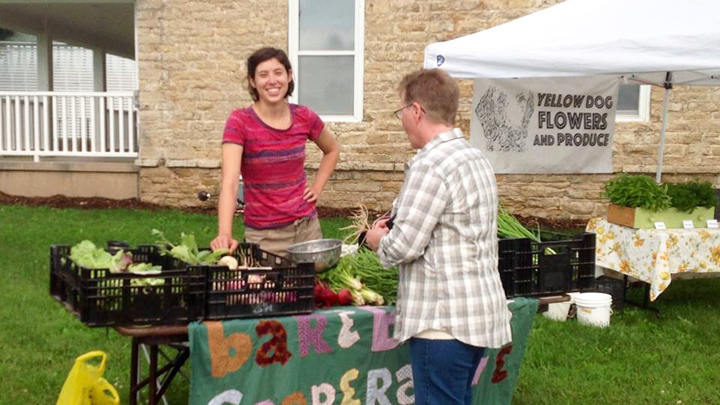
{"x": 638, "y": 360}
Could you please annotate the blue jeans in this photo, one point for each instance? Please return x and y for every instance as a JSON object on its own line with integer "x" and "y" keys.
{"x": 443, "y": 371}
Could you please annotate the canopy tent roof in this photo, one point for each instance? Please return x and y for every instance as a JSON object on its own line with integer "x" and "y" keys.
{"x": 639, "y": 39}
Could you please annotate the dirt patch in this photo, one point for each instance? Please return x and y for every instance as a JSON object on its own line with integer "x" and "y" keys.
{"x": 61, "y": 201}
{"x": 89, "y": 203}
{"x": 552, "y": 224}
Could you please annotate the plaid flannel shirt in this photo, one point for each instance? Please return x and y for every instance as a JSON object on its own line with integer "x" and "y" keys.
{"x": 444, "y": 240}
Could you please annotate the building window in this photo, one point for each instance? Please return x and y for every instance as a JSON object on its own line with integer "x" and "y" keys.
{"x": 326, "y": 41}
{"x": 633, "y": 103}
{"x": 72, "y": 69}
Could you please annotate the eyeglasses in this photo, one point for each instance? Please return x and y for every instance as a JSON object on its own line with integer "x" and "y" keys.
{"x": 398, "y": 112}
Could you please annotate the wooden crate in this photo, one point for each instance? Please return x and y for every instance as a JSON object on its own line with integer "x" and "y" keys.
{"x": 641, "y": 218}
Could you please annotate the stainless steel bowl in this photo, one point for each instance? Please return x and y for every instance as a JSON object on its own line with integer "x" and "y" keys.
{"x": 325, "y": 253}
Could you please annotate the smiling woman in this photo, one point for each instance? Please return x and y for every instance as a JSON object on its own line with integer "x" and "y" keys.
{"x": 265, "y": 143}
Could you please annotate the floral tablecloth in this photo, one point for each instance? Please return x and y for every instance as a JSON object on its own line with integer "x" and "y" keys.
{"x": 655, "y": 256}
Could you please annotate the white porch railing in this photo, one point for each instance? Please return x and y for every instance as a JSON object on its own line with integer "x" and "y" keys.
{"x": 43, "y": 124}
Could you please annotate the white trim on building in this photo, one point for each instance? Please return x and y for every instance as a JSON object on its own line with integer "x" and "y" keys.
{"x": 642, "y": 114}
{"x": 358, "y": 53}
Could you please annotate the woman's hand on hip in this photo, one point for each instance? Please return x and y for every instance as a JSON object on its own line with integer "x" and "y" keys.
{"x": 310, "y": 195}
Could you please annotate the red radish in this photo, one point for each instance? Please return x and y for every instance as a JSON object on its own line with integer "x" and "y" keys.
{"x": 324, "y": 296}
{"x": 345, "y": 297}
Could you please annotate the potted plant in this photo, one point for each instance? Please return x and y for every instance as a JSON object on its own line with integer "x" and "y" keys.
{"x": 639, "y": 202}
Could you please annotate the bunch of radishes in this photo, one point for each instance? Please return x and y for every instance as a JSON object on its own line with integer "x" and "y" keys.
{"x": 325, "y": 297}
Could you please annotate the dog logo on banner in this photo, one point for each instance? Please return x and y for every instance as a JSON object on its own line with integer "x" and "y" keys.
{"x": 502, "y": 134}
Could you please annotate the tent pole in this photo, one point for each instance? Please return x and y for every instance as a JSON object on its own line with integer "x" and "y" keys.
{"x": 666, "y": 97}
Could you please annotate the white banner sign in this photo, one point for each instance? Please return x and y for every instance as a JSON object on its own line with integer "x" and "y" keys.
{"x": 545, "y": 125}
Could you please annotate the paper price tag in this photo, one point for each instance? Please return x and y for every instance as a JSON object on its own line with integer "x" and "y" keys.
{"x": 660, "y": 225}
{"x": 712, "y": 223}
{"x": 688, "y": 224}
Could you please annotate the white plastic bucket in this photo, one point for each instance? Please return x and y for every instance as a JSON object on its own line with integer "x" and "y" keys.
{"x": 594, "y": 309}
{"x": 558, "y": 311}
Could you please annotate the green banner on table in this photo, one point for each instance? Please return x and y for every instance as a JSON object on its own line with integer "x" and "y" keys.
{"x": 344, "y": 355}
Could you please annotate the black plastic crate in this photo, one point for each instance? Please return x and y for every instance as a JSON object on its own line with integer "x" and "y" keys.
{"x": 283, "y": 288}
{"x": 533, "y": 269}
{"x": 99, "y": 297}
{"x": 615, "y": 287}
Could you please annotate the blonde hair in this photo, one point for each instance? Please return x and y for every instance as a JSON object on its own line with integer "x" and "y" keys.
{"x": 435, "y": 91}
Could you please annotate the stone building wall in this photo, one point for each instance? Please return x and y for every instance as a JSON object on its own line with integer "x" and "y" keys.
{"x": 192, "y": 74}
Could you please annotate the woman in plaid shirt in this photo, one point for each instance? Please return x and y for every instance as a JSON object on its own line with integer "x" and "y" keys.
{"x": 450, "y": 302}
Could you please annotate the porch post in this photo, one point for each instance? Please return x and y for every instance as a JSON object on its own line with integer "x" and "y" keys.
{"x": 45, "y": 59}
{"x": 99, "y": 85}
{"x": 45, "y": 74}
{"x": 99, "y": 81}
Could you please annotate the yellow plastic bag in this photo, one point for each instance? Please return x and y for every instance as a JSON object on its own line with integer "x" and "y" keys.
{"x": 85, "y": 385}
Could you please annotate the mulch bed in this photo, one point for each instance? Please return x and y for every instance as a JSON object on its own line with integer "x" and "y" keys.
{"x": 89, "y": 203}
{"x": 61, "y": 201}
{"x": 550, "y": 223}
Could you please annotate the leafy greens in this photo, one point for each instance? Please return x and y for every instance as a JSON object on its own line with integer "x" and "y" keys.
{"x": 637, "y": 191}
{"x": 187, "y": 251}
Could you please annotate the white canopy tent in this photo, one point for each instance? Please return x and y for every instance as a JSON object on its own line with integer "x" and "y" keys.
{"x": 659, "y": 42}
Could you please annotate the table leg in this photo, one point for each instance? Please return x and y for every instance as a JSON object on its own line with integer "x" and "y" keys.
{"x": 172, "y": 369}
{"x": 152, "y": 378}
{"x": 134, "y": 370}
{"x": 158, "y": 378}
